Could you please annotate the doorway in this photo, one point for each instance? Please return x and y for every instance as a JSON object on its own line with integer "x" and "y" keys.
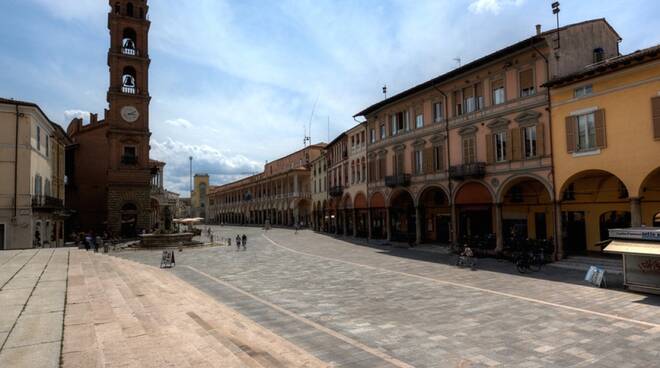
{"x": 129, "y": 221}
{"x": 575, "y": 232}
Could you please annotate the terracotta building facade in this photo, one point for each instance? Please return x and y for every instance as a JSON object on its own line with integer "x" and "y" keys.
{"x": 110, "y": 172}
{"x": 280, "y": 195}
{"x": 465, "y": 157}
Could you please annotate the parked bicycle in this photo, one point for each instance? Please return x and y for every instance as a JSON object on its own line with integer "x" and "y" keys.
{"x": 529, "y": 261}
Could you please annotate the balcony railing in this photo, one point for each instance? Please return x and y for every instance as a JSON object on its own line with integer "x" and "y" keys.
{"x": 129, "y": 90}
{"x": 475, "y": 170}
{"x": 401, "y": 180}
{"x": 129, "y": 160}
{"x": 130, "y": 51}
{"x": 336, "y": 191}
{"x": 46, "y": 202}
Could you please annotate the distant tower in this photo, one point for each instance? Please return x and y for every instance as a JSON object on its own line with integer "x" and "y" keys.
{"x": 128, "y": 115}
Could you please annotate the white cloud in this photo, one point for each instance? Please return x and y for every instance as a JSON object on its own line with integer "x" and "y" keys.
{"x": 183, "y": 123}
{"x": 492, "y": 6}
{"x": 221, "y": 166}
{"x": 73, "y": 114}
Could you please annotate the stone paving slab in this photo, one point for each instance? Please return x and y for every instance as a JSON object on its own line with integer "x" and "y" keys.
{"x": 417, "y": 308}
{"x": 32, "y": 307}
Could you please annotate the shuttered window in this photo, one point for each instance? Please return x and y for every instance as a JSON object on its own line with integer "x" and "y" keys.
{"x": 469, "y": 150}
{"x": 428, "y": 160}
{"x": 526, "y": 82}
{"x": 418, "y": 162}
{"x": 586, "y": 132}
{"x": 458, "y": 106}
{"x": 438, "y": 158}
{"x": 516, "y": 144}
{"x": 469, "y": 102}
{"x": 529, "y": 141}
{"x": 499, "y": 145}
{"x": 438, "y": 112}
{"x": 498, "y": 91}
{"x": 655, "y": 114}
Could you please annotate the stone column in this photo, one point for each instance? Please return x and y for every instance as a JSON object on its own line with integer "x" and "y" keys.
{"x": 454, "y": 225}
{"x": 354, "y": 223}
{"x": 635, "y": 212}
{"x": 369, "y": 223}
{"x": 344, "y": 223}
{"x": 499, "y": 236}
{"x": 559, "y": 239}
{"x": 388, "y": 228}
{"x": 418, "y": 225}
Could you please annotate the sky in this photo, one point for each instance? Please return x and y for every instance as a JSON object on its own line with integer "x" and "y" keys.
{"x": 237, "y": 83}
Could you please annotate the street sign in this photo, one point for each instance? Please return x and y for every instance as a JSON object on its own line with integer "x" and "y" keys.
{"x": 167, "y": 260}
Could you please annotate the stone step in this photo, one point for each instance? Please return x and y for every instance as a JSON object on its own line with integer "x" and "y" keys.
{"x": 127, "y": 314}
{"x": 582, "y": 263}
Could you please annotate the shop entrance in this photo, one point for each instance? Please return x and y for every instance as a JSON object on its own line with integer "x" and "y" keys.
{"x": 575, "y": 234}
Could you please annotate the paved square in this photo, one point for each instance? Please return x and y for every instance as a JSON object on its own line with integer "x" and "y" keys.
{"x": 358, "y": 306}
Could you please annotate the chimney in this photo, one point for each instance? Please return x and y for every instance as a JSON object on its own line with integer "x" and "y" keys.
{"x": 93, "y": 118}
{"x": 538, "y": 29}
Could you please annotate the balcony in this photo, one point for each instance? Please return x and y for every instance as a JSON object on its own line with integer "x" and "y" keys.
{"x": 130, "y": 51}
{"x": 475, "y": 170}
{"x": 43, "y": 202}
{"x": 129, "y": 160}
{"x": 129, "y": 90}
{"x": 336, "y": 191}
{"x": 401, "y": 180}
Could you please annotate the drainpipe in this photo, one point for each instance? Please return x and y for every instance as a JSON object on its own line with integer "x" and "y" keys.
{"x": 449, "y": 182}
{"x": 18, "y": 115}
{"x": 552, "y": 159}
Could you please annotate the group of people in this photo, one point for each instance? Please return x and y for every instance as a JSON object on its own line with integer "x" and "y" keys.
{"x": 90, "y": 240}
{"x": 241, "y": 241}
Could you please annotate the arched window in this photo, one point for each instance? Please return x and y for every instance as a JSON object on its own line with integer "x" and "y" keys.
{"x": 129, "y": 9}
{"x": 128, "y": 81}
{"x": 129, "y": 42}
{"x": 117, "y": 8}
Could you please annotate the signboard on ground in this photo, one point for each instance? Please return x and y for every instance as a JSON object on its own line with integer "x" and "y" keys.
{"x": 595, "y": 276}
{"x": 167, "y": 260}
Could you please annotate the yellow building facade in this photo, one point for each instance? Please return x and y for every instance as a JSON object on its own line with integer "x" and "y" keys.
{"x": 606, "y": 148}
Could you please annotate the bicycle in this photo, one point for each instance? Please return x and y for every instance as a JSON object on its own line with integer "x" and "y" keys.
{"x": 528, "y": 261}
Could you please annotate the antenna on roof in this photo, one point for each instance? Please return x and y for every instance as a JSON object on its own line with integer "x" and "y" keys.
{"x": 555, "y": 11}
{"x": 308, "y": 134}
{"x": 385, "y": 91}
{"x": 458, "y": 60}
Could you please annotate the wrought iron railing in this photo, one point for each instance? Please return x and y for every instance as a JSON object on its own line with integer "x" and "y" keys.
{"x": 465, "y": 171}
{"x": 400, "y": 180}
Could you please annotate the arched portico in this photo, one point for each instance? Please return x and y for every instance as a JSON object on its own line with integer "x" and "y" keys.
{"x": 361, "y": 211}
{"x": 403, "y": 216}
{"x": 649, "y": 201}
{"x": 474, "y": 212}
{"x": 435, "y": 214}
{"x": 378, "y": 214}
{"x": 591, "y": 203}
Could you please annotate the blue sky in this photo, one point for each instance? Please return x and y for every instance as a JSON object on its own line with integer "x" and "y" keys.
{"x": 234, "y": 82}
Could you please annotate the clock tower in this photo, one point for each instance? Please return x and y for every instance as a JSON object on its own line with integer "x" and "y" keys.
{"x": 127, "y": 116}
{"x": 109, "y": 174}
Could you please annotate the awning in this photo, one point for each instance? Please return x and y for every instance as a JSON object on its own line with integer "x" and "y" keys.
{"x": 633, "y": 247}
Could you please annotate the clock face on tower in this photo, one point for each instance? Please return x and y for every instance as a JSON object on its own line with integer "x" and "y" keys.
{"x": 129, "y": 114}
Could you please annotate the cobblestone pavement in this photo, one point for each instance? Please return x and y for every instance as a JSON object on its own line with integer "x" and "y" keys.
{"x": 359, "y": 306}
{"x": 32, "y": 294}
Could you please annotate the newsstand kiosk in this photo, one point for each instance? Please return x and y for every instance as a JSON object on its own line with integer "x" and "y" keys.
{"x": 640, "y": 248}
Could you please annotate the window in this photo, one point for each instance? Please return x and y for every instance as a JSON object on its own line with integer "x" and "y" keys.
{"x": 38, "y": 138}
{"x": 438, "y": 112}
{"x": 529, "y": 140}
{"x": 129, "y": 156}
{"x": 599, "y": 54}
{"x": 498, "y": 92}
{"x": 586, "y": 132}
{"x": 419, "y": 121}
{"x": 500, "y": 146}
{"x": 582, "y": 91}
{"x": 373, "y": 135}
{"x": 352, "y": 141}
{"x": 37, "y": 185}
{"x": 364, "y": 173}
{"x": 419, "y": 162}
{"x": 382, "y": 131}
{"x": 469, "y": 102}
{"x": 526, "y": 81}
{"x": 400, "y": 122}
{"x": 438, "y": 158}
{"x": 469, "y": 150}
{"x": 46, "y": 145}
{"x": 458, "y": 107}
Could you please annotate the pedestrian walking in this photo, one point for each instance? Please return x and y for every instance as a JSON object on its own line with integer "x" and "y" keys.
{"x": 211, "y": 237}
{"x": 244, "y": 242}
{"x": 88, "y": 241}
{"x": 297, "y": 227}
{"x": 238, "y": 242}
{"x": 96, "y": 240}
